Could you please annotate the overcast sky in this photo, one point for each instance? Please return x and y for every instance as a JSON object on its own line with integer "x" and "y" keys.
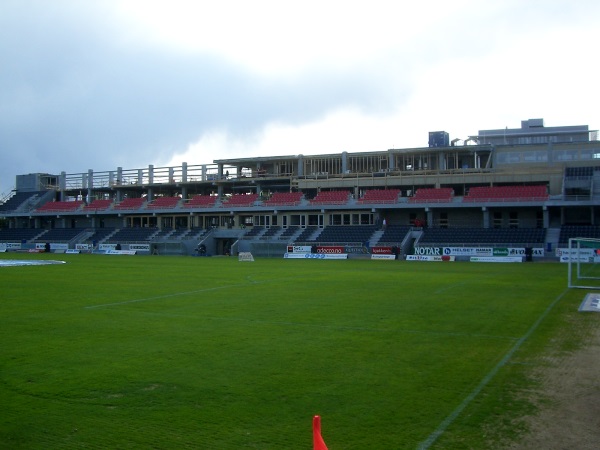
{"x": 88, "y": 84}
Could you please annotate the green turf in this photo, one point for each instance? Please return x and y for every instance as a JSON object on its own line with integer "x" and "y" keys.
{"x": 212, "y": 353}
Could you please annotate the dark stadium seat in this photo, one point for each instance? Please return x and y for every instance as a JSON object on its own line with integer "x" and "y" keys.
{"x": 18, "y": 200}
{"x": 288, "y": 233}
{"x": 394, "y": 233}
{"x": 580, "y": 171}
{"x": 578, "y": 231}
{"x": 18, "y": 235}
{"x": 133, "y": 235}
{"x": 60, "y": 235}
{"x": 346, "y": 233}
{"x": 253, "y": 231}
{"x": 99, "y": 234}
{"x": 480, "y": 236}
{"x": 306, "y": 233}
{"x": 270, "y": 232}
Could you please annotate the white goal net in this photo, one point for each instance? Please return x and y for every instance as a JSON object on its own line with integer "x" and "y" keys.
{"x": 584, "y": 263}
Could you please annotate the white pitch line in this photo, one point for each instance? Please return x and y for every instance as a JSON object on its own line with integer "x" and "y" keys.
{"x": 459, "y": 409}
{"x": 250, "y": 282}
{"x": 158, "y": 297}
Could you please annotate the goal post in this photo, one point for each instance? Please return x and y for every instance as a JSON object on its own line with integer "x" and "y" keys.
{"x": 245, "y": 256}
{"x": 584, "y": 263}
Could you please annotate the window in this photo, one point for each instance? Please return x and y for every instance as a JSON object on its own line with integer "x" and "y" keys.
{"x": 497, "y": 220}
{"x": 443, "y": 220}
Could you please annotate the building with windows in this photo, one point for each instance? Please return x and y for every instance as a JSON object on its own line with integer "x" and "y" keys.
{"x": 533, "y": 131}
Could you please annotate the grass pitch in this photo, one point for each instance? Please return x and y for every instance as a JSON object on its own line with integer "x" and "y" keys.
{"x": 212, "y": 353}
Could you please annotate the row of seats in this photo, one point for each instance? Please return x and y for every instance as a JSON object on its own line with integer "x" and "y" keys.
{"x": 131, "y": 203}
{"x": 100, "y": 234}
{"x": 306, "y": 233}
{"x": 18, "y": 234}
{"x": 578, "y": 231}
{"x": 60, "y": 235}
{"x": 331, "y": 198}
{"x": 164, "y": 202}
{"x": 336, "y": 233}
{"x": 394, "y": 233}
{"x": 437, "y": 195}
{"x": 98, "y": 205}
{"x": 201, "y": 201}
{"x": 483, "y": 236}
{"x": 254, "y": 231}
{"x": 289, "y": 232}
{"x": 61, "y": 206}
{"x": 506, "y": 193}
{"x": 133, "y": 234}
{"x": 158, "y": 203}
{"x": 269, "y": 233}
{"x": 422, "y": 195}
{"x": 345, "y": 233}
{"x": 581, "y": 171}
{"x": 18, "y": 199}
{"x": 284, "y": 199}
{"x": 380, "y": 196}
{"x": 240, "y": 200}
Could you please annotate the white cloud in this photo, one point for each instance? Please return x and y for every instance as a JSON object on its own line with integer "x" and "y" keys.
{"x": 273, "y": 37}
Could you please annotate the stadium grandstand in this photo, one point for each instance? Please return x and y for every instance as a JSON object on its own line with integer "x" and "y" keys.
{"x": 528, "y": 188}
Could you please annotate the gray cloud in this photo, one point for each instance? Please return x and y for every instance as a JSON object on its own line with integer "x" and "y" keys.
{"x": 74, "y": 97}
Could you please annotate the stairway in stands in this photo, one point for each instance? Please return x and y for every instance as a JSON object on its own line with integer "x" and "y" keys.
{"x": 552, "y": 237}
{"x": 375, "y": 238}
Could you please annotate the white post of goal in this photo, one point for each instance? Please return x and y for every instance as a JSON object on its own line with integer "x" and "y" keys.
{"x": 583, "y": 258}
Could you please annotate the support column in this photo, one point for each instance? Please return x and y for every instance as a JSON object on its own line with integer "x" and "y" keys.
{"x": 90, "y": 185}
{"x": 184, "y": 178}
{"x": 119, "y": 182}
{"x": 150, "y": 174}
{"x": 486, "y": 217}
{"x": 62, "y": 185}
{"x": 429, "y": 216}
{"x": 300, "y": 165}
